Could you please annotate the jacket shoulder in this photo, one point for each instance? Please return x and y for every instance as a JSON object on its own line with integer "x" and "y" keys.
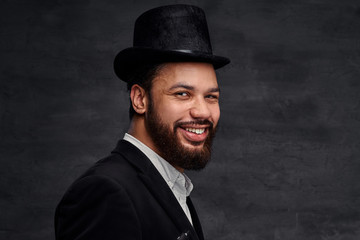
{"x": 122, "y": 165}
{"x": 115, "y": 167}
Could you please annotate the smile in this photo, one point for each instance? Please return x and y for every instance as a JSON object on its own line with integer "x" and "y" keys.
{"x": 194, "y": 135}
{"x": 196, "y": 130}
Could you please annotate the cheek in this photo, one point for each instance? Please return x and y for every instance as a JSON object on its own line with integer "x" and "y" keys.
{"x": 170, "y": 111}
{"x": 215, "y": 113}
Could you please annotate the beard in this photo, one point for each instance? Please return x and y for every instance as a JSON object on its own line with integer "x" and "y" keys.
{"x": 169, "y": 145}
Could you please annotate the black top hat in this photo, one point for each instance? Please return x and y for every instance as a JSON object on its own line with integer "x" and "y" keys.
{"x": 175, "y": 33}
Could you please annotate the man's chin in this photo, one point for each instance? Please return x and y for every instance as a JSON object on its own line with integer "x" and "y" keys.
{"x": 193, "y": 150}
{"x": 190, "y": 155}
{"x": 193, "y": 146}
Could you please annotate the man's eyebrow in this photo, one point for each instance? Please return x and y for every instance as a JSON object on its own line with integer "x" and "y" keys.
{"x": 182, "y": 85}
{"x": 217, "y": 89}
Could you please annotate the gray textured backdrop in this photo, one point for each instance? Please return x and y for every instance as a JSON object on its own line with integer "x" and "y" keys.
{"x": 286, "y": 159}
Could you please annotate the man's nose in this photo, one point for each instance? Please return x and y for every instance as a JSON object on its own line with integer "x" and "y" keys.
{"x": 200, "y": 109}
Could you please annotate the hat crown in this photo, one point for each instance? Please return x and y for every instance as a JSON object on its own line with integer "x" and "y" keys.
{"x": 174, "y": 27}
{"x": 173, "y": 33}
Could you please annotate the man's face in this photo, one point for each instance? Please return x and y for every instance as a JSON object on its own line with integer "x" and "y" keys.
{"x": 183, "y": 113}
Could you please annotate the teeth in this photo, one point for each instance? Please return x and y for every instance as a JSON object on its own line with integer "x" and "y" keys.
{"x": 196, "y": 130}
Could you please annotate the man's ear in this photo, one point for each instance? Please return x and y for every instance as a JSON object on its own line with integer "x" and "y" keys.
{"x": 138, "y": 99}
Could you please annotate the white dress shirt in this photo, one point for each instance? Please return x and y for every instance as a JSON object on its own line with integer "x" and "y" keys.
{"x": 178, "y": 182}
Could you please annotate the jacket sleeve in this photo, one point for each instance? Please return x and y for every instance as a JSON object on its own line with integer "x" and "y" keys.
{"x": 96, "y": 208}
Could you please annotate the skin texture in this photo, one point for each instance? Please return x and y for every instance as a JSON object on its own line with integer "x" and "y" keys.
{"x": 183, "y": 96}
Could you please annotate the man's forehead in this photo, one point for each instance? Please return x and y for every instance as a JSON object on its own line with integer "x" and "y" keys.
{"x": 187, "y": 74}
{"x": 187, "y": 65}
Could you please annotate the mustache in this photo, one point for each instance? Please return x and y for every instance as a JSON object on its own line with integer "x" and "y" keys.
{"x": 196, "y": 122}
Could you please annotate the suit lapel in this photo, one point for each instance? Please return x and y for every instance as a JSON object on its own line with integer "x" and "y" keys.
{"x": 157, "y": 186}
{"x": 167, "y": 200}
{"x": 195, "y": 219}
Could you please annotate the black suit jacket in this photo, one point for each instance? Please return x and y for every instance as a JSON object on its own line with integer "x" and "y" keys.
{"x": 124, "y": 197}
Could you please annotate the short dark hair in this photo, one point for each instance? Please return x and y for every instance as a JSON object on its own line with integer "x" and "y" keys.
{"x": 143, "y": 75}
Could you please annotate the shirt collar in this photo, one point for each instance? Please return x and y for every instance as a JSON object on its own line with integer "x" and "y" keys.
{"x": 176, "y": 180}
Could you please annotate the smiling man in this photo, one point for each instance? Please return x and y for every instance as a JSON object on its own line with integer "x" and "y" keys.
{"x": 141, "y": 191}
{"x": 178, "y": 116}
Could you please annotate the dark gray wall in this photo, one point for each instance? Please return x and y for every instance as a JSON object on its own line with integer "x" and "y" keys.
{"x": 286, "y": 159}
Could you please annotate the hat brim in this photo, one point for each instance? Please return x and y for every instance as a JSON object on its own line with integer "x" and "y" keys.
{"x": 130, "y": 57}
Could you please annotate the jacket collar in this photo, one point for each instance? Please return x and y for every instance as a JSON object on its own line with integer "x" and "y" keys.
{"x": 159, "y": 188}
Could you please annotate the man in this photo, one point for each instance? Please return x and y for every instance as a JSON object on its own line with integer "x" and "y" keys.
{"x": 140, "y": 191}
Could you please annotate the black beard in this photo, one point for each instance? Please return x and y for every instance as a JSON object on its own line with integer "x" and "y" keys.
{"x": 169, "y": 145}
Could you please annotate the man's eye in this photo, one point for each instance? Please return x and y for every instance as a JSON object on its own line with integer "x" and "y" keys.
{"x": 182, "y": 94}
{"x": 212, "y": 96}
